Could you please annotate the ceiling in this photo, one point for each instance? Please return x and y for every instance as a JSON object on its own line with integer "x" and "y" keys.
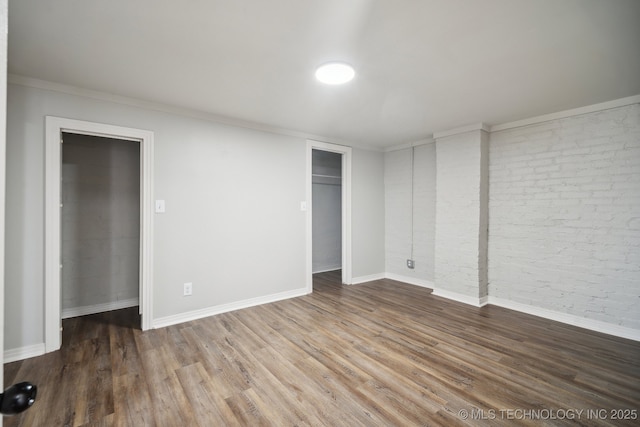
{"x": 423, "y": 66}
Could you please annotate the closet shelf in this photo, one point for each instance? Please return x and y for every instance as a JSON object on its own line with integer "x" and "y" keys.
{"x": 325, "y": 176}
{"x": 326, "y": 179}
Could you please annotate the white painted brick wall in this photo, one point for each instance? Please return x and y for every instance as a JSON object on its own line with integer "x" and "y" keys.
{"x": 398, "y": 211}
{"x": 459, "y": 241}
{"x": 564, "y": 215}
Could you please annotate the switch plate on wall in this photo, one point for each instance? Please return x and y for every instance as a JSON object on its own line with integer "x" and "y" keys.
{"x": 188, "y": 289}
{"x": 159, "y": 206}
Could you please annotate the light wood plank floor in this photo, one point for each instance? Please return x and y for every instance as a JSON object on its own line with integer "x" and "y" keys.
{"x": 377, "y": 354}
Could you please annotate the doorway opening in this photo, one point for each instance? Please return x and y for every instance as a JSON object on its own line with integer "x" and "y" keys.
{"x": 100, "y": 224}
{"x": 56, "y": 130}
{"x": 329, "y": 213}
{"x": 326, "y": 193}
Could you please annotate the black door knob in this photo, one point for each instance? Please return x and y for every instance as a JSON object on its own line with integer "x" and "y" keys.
{"x": 17, "y": 398}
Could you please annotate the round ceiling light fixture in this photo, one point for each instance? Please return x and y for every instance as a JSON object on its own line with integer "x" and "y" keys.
{"x": 335, "y": 73}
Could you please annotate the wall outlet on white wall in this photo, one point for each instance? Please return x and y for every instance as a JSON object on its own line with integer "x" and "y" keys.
{"x": 188, "y": 289}
{"x": 410, "y": 263}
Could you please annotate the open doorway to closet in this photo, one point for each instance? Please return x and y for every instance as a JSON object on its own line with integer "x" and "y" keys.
{"x": 92, "y": 219}
{"x": 329, "y": 217}
{"x": 326, "y": 189}
{"x": 100, "y": 224}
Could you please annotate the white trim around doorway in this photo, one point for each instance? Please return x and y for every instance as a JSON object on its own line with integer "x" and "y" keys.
{"x": 53, "y": 163}
{"x": 346, "y": 209}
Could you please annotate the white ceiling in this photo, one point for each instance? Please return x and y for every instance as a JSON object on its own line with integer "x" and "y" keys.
{"x": 422, "y": 66}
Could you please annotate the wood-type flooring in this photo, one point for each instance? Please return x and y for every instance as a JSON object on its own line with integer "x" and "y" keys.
{"x": 382, "y": 353}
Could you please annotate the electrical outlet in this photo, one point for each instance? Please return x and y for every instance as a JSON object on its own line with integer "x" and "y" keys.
{"x": 410, "y": 263}
{"x": 188, "y": 289}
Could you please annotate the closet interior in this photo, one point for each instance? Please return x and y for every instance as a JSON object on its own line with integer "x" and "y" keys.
{"x": 327, "y": 210}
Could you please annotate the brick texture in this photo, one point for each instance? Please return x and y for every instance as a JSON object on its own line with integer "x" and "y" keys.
{"x": 564, "y": 215}
{"x": 460, "y": 246}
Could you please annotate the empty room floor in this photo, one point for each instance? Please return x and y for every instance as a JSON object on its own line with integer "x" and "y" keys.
{"x": 376, "y": 354}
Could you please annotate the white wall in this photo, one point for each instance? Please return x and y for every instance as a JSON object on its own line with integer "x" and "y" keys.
{"x": 367, "y": 214}
{"x": 564, "y": 228}
{"x": 233, "y": 225}
{"x": 398, "y": 213}
{"x": 327, "y": 227}
{"x": 100, "y": 223}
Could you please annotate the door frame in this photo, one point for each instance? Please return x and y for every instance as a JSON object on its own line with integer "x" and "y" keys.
{"x": 3, "y": 167}
{"x": 346, "y": 209}
{"x": 55, "y": 126}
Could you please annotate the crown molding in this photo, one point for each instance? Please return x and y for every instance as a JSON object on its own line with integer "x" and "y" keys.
{"x": 608, "y": 105}
{"x": 31, "y": 82}
{"x": 20, "y": 80}
{"x": 616, "y": 103}
{"x": 462, "y": 129}
{"x": 406, "y": 145}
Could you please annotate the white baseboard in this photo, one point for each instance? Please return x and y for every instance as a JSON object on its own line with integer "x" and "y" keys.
{"x": 455, "y": 296}
{"x": 22, "y": 353}
{"x": 325, "y": 270}
{"x": 369, "y": 278}
{"x": 99, "y": 308}
{"x": 409, "y": 280}
{"x": 570, "y": 319}
{"x": 223, "y": 308}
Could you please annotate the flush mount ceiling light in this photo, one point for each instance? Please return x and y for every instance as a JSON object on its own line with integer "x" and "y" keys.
{"x": 335, "y": 73}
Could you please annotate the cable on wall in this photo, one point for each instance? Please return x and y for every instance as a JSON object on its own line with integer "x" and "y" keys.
{"x": 413, "y": 150}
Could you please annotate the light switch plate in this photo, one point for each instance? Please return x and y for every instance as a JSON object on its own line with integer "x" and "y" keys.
{"x": 160, "y": 206}
{"x": 188, "y": 289}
